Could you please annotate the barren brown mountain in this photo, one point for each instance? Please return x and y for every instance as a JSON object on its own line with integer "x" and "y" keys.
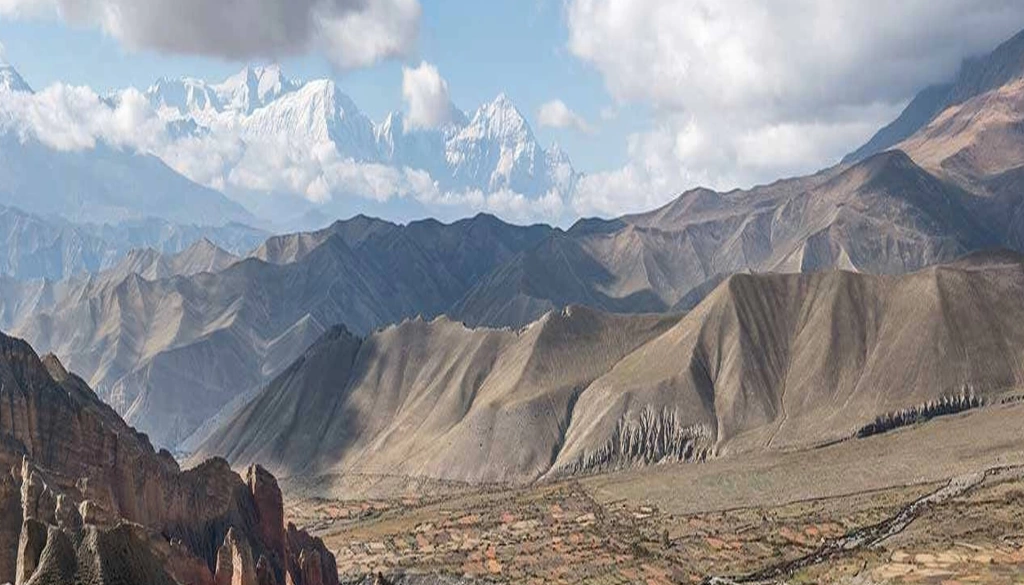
{"x": 884, "y": 215}
{"x": 433, "y": 399}
{"x": 766, "y": 362}
{"x": 170, "y": 341}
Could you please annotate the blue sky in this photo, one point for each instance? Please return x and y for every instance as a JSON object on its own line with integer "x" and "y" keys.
{"x": 481, "y": 48}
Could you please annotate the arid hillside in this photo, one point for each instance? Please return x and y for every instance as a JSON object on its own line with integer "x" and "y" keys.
{"x": 766, "y": 362}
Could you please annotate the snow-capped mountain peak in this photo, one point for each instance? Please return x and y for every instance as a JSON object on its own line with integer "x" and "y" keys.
{"x": 184, "y": 94}
{"x": 497, "y": 150}
{"x": 328, "y": 146}
{"x": 318, "y": 112}
{"x": 254, "y": 87}
{"x": 242, "y": 93}
{"x": 500, "y": 119}
{"x": 11, "y": 80}
{"x": 494, "y": 150}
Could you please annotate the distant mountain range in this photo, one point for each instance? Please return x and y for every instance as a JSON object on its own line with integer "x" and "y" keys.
{"x": 171, "y": 341}
{"x": 491, "y": 149}
{"x": 98, "y": 185}
{"x": 53, "y": 248}
{"x": 105, "y": 185}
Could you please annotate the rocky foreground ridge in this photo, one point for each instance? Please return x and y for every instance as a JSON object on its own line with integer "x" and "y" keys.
{"x": 88, "y": 500}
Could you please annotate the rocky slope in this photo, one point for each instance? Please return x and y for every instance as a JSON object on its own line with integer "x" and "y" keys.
{"x": 421, "y": 397}
{"x": 779, "y": 361}
{"x": 765, "y": 362}
{"x": 87, "y": 498}
{"x": 170, "y": 342}
{"x": 885, "y": 215}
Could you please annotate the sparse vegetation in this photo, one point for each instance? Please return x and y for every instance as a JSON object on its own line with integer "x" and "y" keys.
{"x": 945, "y": 406}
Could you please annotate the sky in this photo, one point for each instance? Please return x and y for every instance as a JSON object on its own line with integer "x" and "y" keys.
{"x": 648, "y": 97}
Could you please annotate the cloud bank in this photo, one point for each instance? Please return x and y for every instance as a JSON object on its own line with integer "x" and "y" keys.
{"x": 351, "y": 33}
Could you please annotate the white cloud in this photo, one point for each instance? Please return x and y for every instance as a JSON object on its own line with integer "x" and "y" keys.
{"x": 426, "y": 95}
{"x": 68, "y": 118}
{"x": 380, "y": 29}
{"x": 351, "y": 33}
{"x": 555, "y": 114}
{"x": 75, "y": 118}
{"x": 746, "y": 91}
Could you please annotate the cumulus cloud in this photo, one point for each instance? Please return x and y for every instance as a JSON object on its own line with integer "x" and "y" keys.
{"x": 555, "y": 114}
{"x": 426, "y": 95}
{"x": 65, "y": 117}
{"x": 746, "y": 91}
{"x": 352, "y": 33}
{"x": 379, "y": 29}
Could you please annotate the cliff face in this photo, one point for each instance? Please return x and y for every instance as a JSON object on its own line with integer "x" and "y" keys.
{"x": 87, "y": 499}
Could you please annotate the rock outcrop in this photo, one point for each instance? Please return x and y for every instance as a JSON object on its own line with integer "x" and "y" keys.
{"x": 88, "y": 500}
{"x": 654, "y": 438}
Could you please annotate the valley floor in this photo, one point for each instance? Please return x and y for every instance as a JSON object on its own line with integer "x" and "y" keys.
{"x": 938, "y": 503}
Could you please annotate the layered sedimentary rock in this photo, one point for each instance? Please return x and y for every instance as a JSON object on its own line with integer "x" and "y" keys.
{"x": 88, "y": 500}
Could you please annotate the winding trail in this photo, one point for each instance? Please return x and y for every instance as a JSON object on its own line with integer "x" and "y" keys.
{"x": 869, "y": 535}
